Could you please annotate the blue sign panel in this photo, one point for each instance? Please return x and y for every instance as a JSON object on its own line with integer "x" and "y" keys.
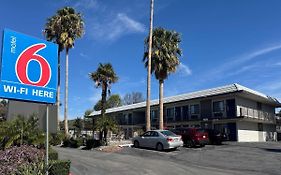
{"x": 28, "y": 69}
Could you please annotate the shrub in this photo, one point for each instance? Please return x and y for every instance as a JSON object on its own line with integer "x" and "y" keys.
{"x": 79, "y": 142}
{"x": 91, "y": 143}
{"x": 22, "y": 131}
{"x": 73, "y": 143}
{"x": 11, "y": 159}
{"x": 66, "y": 142}
{"x": 53, "y": 154}
{"x": 56, "y": 139}
{"x": 38, "y": 168}
{"x": 59, "y": 167}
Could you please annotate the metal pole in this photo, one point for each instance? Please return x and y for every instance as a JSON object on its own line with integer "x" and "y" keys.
{"x": 47, "y": 140}
{"x": 148, "y": 123}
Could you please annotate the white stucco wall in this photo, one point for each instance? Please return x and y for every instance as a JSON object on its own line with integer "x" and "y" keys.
{"x": 248, "y": 132}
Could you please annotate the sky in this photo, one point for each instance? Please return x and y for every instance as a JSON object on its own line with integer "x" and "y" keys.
{"x": 223, "y": 42}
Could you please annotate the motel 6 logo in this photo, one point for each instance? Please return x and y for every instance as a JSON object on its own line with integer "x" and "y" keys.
{"x": 22, "y": 63}
{"x": 28, "y": 68}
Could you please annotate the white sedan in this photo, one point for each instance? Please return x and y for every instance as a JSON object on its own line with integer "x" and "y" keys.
{"x": 158, "y": 139}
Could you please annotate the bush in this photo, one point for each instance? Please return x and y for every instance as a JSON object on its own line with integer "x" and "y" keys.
{"x": 56, "y": 139}
{"x": 91, "y": 143}
{"x": 73, "y": 143}
{"x": 21, "y": 131}
{"x": 59, "y": 167}
{"x": 53, "y": 154}
{"x": 38, "y": 168}
{"x": 11, "y": 159}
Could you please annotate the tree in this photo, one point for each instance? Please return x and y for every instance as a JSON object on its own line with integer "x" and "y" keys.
{"x": 64, "y": 28}
{"x": 113, "y": 101}
{"x": 103, "y": 77}
{"x": 87, "y": 124}
{"x": 21, "y": 131}
{"x": 106, "y": 124}
{"x": 147, "y": 118}
{"x": 3, "y": 110}
{"x": 78, "y": 126}
{"x": 132, "y": 98}
{"x": 165, "y": 59}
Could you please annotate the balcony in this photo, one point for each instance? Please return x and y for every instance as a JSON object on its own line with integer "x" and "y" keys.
{"x": 256, "y": 114}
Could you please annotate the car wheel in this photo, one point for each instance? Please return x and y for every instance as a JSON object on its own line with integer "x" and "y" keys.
{"x": 189, "y": 143}
{"x": 159, "y": 147}
{"x": 136, "y": 144}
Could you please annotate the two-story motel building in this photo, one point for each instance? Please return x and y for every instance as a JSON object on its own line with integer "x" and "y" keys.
{"x": 243, "y": 114}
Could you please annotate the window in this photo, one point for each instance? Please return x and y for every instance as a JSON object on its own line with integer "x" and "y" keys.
{"x": 259, "y": 106}
{"x": 185, "y": 113}
{"x": 170, "y": 114}
{"x": 154, "y": 134}
{"x": 154, "y": 115}
{"x": 167, "y": 133}
{"x": 147, "y": 134}
{"x": 178, "y": 113}
{"x": 218, "y": 106}
{"x": 130, "y": 119}
{"x": 260, "y": 127}
{"x": 194, "y": 109}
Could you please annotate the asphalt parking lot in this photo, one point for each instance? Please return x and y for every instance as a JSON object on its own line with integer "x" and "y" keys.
{"x": 230, "y": 158}
{"x": 256, "y": 158}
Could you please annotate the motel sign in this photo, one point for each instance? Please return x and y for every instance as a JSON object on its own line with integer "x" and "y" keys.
{"x": 28, "y": 68}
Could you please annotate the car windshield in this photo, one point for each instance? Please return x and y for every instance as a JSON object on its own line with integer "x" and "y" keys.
{"x": 201, "y": 130}
{"x": 167, "y": 133}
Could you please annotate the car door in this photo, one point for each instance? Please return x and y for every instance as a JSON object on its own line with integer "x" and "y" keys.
{"x": 144, "y": 139}
{"x": 153, "y": 139}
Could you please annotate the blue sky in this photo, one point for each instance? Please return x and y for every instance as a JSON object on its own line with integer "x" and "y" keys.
{"x": 223, "y": 42}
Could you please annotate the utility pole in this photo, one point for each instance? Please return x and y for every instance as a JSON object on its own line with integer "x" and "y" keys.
{"x": 149, "y": 68}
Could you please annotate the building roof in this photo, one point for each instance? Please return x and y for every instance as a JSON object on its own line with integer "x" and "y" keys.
{"x": 193, "y": 95}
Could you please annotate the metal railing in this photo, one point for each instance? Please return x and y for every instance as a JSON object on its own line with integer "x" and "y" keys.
{"x": 257, "y": 114}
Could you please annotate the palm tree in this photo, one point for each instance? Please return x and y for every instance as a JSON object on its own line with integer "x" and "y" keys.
{"x": 149, "y": 67}
{"x": 63, "y": 28}
{"x": 103, "y": 77}
{"x": 106, "y": 124}
{"x": 165, "y": 59}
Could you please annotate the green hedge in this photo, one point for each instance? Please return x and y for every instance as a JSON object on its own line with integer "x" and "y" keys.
{"x": 59, "y": 167}
{"x": 53, "y": 154}
{"x": 56, "y": 138}
{"x": 73, "y": 143}
{"x": 91, "y": 143}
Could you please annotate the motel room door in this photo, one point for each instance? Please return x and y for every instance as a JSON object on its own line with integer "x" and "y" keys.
{"x": 230, "y": 108}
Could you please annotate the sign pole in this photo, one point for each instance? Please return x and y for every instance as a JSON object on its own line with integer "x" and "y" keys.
{"x": 47, "y": 139}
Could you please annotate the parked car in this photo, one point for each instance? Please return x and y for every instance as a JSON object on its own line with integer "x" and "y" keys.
{"x": 158, "y": 139}
{"x": 192, "y": 137}
{"x": 215, "y": 137}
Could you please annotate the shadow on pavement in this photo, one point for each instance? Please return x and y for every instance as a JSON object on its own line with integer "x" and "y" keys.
{"x": 272, "y": 150}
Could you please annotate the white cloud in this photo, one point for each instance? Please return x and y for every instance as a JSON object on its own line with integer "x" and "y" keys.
{"x": 248, "y": 56}
{"x": 87, "y": 4}
{"x": 277, "y": 64}
{"x": 130, "y": 24}
{"x": 184, "y": 70}
{"x": 237, "y": 62}
{"x": 113, "y": 29}
{"x": 271, "y": 86}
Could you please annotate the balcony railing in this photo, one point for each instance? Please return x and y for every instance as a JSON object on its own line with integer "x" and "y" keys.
{"x": 257, "y": 114}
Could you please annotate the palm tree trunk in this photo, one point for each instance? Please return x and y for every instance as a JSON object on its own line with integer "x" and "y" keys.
{"x": 66, "y": 95}
{"x": 161, "y": 84}
{"x": 105, "y": 137}
{"x": 149, "y": 68}
{"x": 103, "y": 106}
{"x": 58, "y": 93}
{"x": 103, "y": 99}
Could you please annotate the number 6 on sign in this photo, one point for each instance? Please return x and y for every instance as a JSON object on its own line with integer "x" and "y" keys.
{"x": 21, "y": 66}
